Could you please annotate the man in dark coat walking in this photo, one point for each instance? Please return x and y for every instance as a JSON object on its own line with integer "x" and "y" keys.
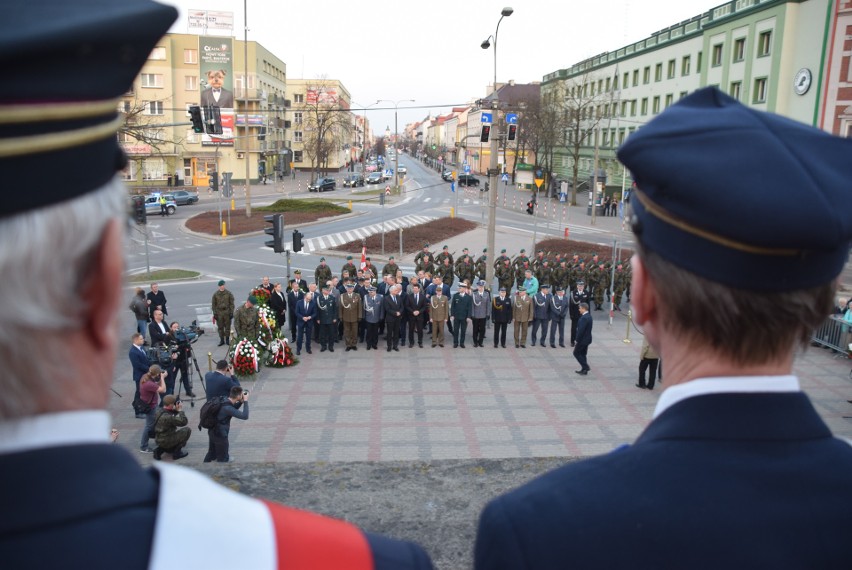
{"x": 584, "y": 339}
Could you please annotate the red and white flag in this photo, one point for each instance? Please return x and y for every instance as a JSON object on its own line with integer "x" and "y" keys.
{"x": 363, "y": 256}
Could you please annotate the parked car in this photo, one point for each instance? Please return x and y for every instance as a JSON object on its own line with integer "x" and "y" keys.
{"x": 322, "y": 184}
{"x": 468, "y": 180}
{"x": 152, "y": 205}
{"x": 402, "y": 169}
{"x": 447, "y": 175}
{"x": 183, "y": 197}
{"x": 353, "y": 180}
{"x": 375, "y": 178}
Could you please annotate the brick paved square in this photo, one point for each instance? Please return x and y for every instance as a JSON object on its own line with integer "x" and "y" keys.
{"x": 349, "y": 453}
{"x": 434, "y": 415}
{"x": 493, "y": 435}
{"x": 396, "y": 434}
{"x": 399, "y": 415}
{"x": 540, "y": 433}
{"x": 297, "y": 434}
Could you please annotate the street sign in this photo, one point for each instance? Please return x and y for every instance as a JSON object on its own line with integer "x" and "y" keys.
{"x": 464, "y": 163}
{"x": 505, "y": 177}
{"x": 227, "y": 189}
{"x": 467, "y": 169}
{"x": 387, "y": 189}
{"x": 486, "y": 117}
{"x": 563, "y": 197}
{"x": 511, "y": 118}
{"x": 539, "y": 182}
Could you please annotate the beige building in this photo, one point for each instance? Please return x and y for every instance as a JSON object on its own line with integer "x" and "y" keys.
{"x": 323, "y": 133}
{"x": 182, "y": 71}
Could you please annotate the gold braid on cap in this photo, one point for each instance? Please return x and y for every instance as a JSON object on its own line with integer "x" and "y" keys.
{"x": 45, "y": 112}
{"x": 671, "y": 219}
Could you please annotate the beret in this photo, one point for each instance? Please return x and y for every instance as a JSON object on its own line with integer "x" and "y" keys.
{"x": 252, "y": 299}
{"x": 221, "y": 282}
{"x": 741, "y": 197}
{"x": 65, "y": 67}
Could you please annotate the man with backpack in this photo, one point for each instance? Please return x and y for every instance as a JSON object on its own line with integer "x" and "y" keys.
{"x": 217, "y": 432}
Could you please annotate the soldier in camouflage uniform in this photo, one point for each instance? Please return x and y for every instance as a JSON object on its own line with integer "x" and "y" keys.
{"x": 520, "y": 260}
{"x": 544, "y": 272}
{"x": 425, "y": 264}
{"x": 479, "y": 266}
{"x": 246, "y": 321}
{"x": 223, "y": 310}
{"x": 602, "y": 287}
{"x": 504, "y": 275}
{"x": 445, "y": 254}
{"x": 322, "y": 274}
{"x": 390, "y": 267}
{"x": 593, "y": 279}
{"x": 559, "y": 276}
{"x": 464, "y": 270}
{"x": 501, "y": 258}
{"x": 420, "y": 254}
{"x": 445, "y": 270}
{"x": 349, "y": 266}
{"x": 619, "y": 283}
{"x": 520, "y": 273}
{"x": 538, "y": 260}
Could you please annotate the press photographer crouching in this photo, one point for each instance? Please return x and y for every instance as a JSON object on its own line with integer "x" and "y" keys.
{"x": 171, "y": 431}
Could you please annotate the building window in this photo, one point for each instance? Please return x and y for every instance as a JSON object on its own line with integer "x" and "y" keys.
{"x": 669, "y": 100}
{"x": 739, "y": 49}
{"x": 683, "y": 94}
{"x": 717, "y": 55}
{"x": 154, "y": 108}
{"x": 609, "y": 84}
{"x": 759, "y": 90}
{"x": 297, "y": 156}
{"x": 297, "y": 136}
{"x": 158, "y": 53}
{"x": 764, "y": 43}
{"x": 191, "y": 83}
{"x": 155, "y": 134}
{"x": 624, "y": 108}
{"x": 625, "y": 81}
{"x": 633, "y": 108}
{"x": 672, "y": 67}
{"x": 153, "y": 168}
{"x": 684, "y": 65}
{"x": 124, "y": 107}
{"x": 129, "y": 173}
{"x": 646, "y": 75}
{"x": 698, "y": 63}
{"x": 635, "y": 77}
{"x": 297, "y": 117}
{"x": 151, "y": 79}
{"x": 299, "y": 98}
{"x": 658, "y": 72}
{"x": 615, "y": 82}
{"x": 736, "y": 88}
{"x": 620, "y": 136}
{"x": 656, "y": 104}
{"x": 190, "y": 56}
{"x": 644, "y": 105}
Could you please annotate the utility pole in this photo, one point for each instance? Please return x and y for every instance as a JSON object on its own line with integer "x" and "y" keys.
{"x": 246, "y": 100}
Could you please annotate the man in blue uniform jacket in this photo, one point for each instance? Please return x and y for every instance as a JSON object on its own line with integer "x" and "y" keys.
{"x": 72, "y": 498}
{"x": 736, "y": 468}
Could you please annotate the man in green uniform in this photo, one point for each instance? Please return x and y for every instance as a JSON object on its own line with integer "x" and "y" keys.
{"x": 349, "y": 266}
{"x": 445, "y": 254}
{"x": 390, "y": 268}
{"x": 501, "y": 258}
{"x": 171, "y": 430}
{"x": 425, "y": 264}
{"x": 446, "y": 271}
{"x": 322, "y": 274}
{"x": 223, "y": 311}
{"x": 464, "y": 270}
{"x": 245, "y": 320}
{"x": 421, "y": 253}
{"x": 479, "y": 266}
{"x": 504, "y": 275}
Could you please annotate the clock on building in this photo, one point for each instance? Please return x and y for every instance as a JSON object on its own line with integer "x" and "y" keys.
{"x": 802, "y": 81}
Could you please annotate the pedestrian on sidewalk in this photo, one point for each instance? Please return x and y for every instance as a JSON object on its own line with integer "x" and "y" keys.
{"x": 648, "y": 359}
{"x": 584, "y": 339}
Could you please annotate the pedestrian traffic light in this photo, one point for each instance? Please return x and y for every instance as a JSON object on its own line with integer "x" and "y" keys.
{"x": 214, "y": 181}
{"x": 530, "y": 207}
{"x": 276, "y": 231}
{"x": 195, "y": 117}
{"x": 513, "y": 132}
{"x": 486, "y": 133}
{"x": 139, "y": 213}
{"x": 297, "y": 241}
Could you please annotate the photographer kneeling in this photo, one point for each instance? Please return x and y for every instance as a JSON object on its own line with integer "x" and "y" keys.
{"x": 170, "y": 428}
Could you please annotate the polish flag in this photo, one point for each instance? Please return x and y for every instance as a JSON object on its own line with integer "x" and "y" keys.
{"x": 363, "y": 256}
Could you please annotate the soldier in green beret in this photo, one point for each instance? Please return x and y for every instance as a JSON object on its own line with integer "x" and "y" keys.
{"x": 223, "y": 311}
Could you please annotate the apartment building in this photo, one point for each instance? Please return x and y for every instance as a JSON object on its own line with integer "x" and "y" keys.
{"x": 323, "y": 134}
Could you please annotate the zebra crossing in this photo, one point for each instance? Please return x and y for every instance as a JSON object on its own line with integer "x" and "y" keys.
{"x": 324, "y": 242}
{"x": 466, "y": 201}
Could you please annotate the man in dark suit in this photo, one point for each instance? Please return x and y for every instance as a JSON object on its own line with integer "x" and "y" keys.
{"x": 415, "y": 306}
{"x": 278, "y": 304}
{"x": 392, "y": 305}
{"x": 216, "y": 95}
{"x": 156, "y": 299}
{"x": 140, "y": 364}
{"x": 294, "y": 295}
{"x": 727, "y": 299}
{"x": 158, "y": 330}
{"x": 584, "y": 339}
{"x": 65, "y": 482}
{"x": 219, "y": 382}
{"x": 306, "y": 314}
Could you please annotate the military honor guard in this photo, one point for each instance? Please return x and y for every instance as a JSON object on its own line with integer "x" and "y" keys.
{"x": 558, "y": 314}
{"x": 390, "y": 267}
{"x": 246, "y": 324}
{"x": 501, "y": 315}
{"x": 481, "y": 300}
{"x": 222, "y": 305}
{"x": 541, "y": 313}
{"x": 439, "y": 311}
{"x": 322, "y": 274}
{"x": 350, "y": 314}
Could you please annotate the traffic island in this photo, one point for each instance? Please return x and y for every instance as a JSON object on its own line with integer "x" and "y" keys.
{"x": 413, "y": 237}
{"x": 297, "y": 213}
{"x": 162, "y": 275}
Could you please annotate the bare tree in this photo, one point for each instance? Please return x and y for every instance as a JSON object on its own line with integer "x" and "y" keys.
{"x": 326, "y": 124}
{"x": 142, "y": 127}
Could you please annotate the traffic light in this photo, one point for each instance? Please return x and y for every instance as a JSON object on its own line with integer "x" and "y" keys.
{"x": 486, "y": 133}
{"x": 214, "y": 181}
{"x": 297, "y": 241}
{"x": 530, "y": 207}
{"x": 276, "y": 231}
{"x": 139, "y": 213}
{"x": 212, "y": 120}
{"x": 195, "y": 117}
{"x": 513, "y": 132}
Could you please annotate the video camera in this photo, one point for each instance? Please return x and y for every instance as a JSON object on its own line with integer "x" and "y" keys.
{"x": 185, "y": 336}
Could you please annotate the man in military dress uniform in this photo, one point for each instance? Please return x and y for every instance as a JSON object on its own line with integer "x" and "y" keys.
{"x": 574, "y": 300}
{"x": 522, "y": 314}
{"x": 390, "y": 268}
{"x": 73, "y": 494}
{"x": 439, "y": 312}
{"x": 350, "y": 314}
{"x": 222, "y": 305}
{"x": 327, "y": 318}
{"x": 373, "y": 315}
{"x": 461, "y": 309}
{"x": 481, "y": 312}
{"x": 322, "y": 274}
{"x": 541, "y": 313}
{"x": 303, "y": 285}
{"x": 558, "y": 314}
{"x": 501, "y": 315}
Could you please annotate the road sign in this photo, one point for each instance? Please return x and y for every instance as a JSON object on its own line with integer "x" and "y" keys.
{"x": 539, "y": 182}
{"x": 464, "y": 163}
{"x": 511, "y": 118}
{"x": 227, "y": 189}
{"x": 505, "y": 177}
{"x": 467, "y": 169}
{"x": 387, "y": 189}
{"x": 563, "y": 197}
{"x": 486, "y": 117}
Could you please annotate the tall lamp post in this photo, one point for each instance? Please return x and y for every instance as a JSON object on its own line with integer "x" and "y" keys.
{"x": 395, "y": 136}
{"x": 492, "y": 166}
{"x": 364, "y": 145}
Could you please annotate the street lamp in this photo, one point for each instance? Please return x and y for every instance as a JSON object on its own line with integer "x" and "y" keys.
{"x": 364, "y": 146}
{"x": 492, "y": 167}
{"x": 395, "y": 135}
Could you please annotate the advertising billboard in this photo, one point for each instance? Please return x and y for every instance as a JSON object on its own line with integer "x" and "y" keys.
{"x": 217, "y": 84}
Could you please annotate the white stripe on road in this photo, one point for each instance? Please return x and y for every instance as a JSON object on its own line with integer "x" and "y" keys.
{"x": 426, "y": 199}
{"x": 321, "y": 242}
{"x": 348, "y": 236}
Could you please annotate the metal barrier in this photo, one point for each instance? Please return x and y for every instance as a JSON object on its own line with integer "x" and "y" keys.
{"x": 834, "y": 333}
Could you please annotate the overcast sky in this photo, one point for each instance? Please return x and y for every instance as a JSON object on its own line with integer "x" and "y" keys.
{"x": 430, "y": 51}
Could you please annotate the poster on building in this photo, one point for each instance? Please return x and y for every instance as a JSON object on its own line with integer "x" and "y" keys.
{"x": 217, "y": 84}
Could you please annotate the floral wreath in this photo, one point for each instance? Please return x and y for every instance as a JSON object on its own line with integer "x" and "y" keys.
{"x": 246, "y": 358}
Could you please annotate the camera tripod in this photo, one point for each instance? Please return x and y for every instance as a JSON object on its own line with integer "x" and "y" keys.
{"x": 189, "y": 355}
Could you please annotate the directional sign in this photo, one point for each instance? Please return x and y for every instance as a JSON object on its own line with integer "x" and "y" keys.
{"x": 539, "y": 182}
{"x": 511, "y": 118}
{"x": 505, "y": 177}
{"x": 486, "y": 117}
